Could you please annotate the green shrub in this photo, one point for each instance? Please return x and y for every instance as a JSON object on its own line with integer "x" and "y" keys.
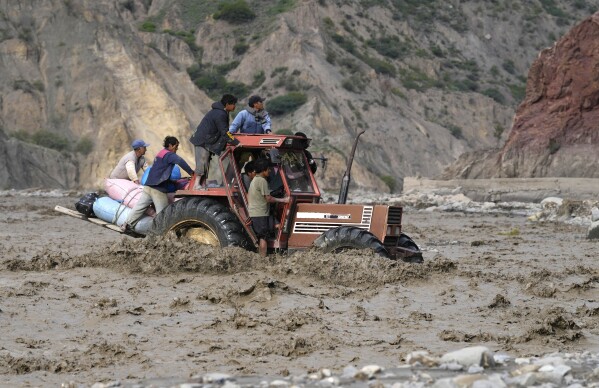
{"x": 380, "y": 66}
{"x": 553, "y": 9}
{"x": 226, "y": 67}
{"x": 280, "y": 7}
{"x": 518, "y": 91}
{"x": 498, "y": 131}
{"x": 195, "y": 71}
{"x": 331, "y": 56}
{"x": 351, "y": 65}
{"x": 148, "y": 26}
{"x": 189, "y": 38}
{"x": 437, "y": 51}
{"x": 287, "y": 103}
{"x": 21, "y": 135}
{"x": 465, "y": 85}
{"x": 399, "y": 93}
{"x": 390, "y": 182}
{"x": 509, "y": 66}
{"x": 354, "y": 84}
{"x": 236, "y": 11}
{"x": 259, "y": 79}
{"x": 211, "y": 80}
{"x": 495, "y": 95}
{"x": 344, "y": 43}
{"x": 84, "y": 146}
{"x": 389, "y": 46}
{"x": 39, "y": 86}
{"x": 23, "y": 85}
{"x": 415, "y": 79}
{"x": 240, "y": 47}
{"x": 455, "y": 131}
{"x": 235, "y": 88}
{"x": 50, "y": 140}
{"x": 278, "y": 70}
{"x": 328, "y": 23}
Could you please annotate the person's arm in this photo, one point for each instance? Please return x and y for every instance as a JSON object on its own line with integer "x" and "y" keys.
{"x": 266, "y": 126}
{"x": 173, "y": 158}
{"x": 237, "y": 122}
{"x": 263, "y": 189}
{"x": 131, "y": 172}
{"x": 271, "y": 199}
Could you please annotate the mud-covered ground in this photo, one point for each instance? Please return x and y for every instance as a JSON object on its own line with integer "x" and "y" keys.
{"x": 82, "y": 303}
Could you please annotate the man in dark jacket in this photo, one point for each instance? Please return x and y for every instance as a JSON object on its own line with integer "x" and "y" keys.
{"x": 211, "y": 136}
{"x": 158, "y": 183}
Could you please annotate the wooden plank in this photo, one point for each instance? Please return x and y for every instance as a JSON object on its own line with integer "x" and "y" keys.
{"x": 94, "y": 220}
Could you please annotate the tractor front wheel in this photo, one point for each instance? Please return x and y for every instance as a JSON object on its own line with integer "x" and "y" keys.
{"x": 203, "y": 220}
{"x": 349, "y": 237}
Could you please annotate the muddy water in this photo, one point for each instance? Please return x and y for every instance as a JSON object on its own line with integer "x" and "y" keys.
{"x": 82, "y": 303}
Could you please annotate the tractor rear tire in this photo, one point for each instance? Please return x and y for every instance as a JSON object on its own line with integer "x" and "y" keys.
{"x": 202, "y": 219}
{"x": 349, "y": 237}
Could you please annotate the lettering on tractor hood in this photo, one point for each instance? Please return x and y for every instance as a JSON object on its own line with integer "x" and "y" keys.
{"x": 323, "y": 215}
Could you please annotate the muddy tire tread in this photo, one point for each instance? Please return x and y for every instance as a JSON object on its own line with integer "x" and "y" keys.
{"x": 350, "y": 237}
{"x": 229, "y": 230}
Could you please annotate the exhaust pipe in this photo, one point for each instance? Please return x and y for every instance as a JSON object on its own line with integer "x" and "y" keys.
{"x": 346, "y": 176}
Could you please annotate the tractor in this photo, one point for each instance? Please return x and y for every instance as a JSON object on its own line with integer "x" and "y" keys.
{"x": 218, "y": 214}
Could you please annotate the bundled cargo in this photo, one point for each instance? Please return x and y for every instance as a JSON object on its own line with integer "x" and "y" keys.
{"x": 114, "y": 212}
{"x": 126, "y": 192}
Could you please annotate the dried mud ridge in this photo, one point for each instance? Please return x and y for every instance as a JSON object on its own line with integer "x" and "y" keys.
{"x": 164, "y": 255}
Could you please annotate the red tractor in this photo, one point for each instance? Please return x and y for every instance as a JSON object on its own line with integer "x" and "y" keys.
{"x": 218, "y": 216}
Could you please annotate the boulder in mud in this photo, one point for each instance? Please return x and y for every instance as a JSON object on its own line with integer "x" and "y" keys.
{"x": 475, "y": 355}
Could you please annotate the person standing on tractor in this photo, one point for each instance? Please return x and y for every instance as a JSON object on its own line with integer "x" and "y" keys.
{"x": 130, "y": 164}
{"x": 311, "y": 161}
{"x": 254, "y": 119}
{"x": 211, "y": 136}
{"x": 259, "y": 198}
{"x": 158, "y": 183}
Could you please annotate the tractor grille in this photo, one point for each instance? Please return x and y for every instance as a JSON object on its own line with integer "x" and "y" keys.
{"x": 367, "y": 214}
{"x": 315, "y": 227}
{"x": 394, "y": 216}
{"x": 319, "y": 227}
{"x": 271, "y": 141}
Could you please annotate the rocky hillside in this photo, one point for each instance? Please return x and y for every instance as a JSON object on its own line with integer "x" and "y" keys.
{"x": 555, "y": 128}
{"x": 427, "y": 80}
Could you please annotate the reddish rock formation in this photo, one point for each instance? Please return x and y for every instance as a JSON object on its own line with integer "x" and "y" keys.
{"x": 555, "y": 131}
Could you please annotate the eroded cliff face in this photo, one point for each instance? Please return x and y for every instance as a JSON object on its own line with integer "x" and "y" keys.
{"x": 76, "y": 69}
{"x": 24, "y": 165}
{"x": 555, "y": 131}
{"x": 86, "y": 70}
